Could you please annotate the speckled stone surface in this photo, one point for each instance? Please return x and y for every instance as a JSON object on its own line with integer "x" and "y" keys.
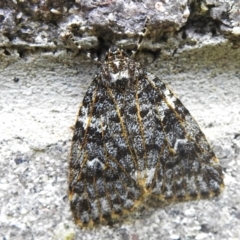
{"x": 40, "y": 92}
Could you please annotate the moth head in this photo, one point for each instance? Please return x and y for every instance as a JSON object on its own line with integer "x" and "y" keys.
{"x": 118, "y": 70}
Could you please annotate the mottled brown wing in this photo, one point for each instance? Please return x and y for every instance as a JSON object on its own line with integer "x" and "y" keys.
{"x": 175, "y": 161}
{"x": 101, "y": 189}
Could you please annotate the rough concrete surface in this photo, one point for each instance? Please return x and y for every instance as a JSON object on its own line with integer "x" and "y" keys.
{"x": 192, "y": 46}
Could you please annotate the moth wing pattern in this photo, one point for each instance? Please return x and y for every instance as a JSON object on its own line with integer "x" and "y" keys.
{"x": 135, "y": 141}
{"x": 100, "y": 182}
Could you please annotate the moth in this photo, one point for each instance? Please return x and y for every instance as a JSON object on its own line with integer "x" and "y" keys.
{"x": 135, "y": 142}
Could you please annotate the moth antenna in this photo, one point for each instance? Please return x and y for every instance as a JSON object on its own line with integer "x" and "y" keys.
{"x": 142, "y": 35}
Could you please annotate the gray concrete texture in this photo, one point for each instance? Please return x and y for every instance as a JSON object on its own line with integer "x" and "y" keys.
{"x": 48, "y": 53}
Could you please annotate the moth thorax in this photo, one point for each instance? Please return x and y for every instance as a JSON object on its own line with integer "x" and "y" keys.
{"x": 119, "y": 73}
